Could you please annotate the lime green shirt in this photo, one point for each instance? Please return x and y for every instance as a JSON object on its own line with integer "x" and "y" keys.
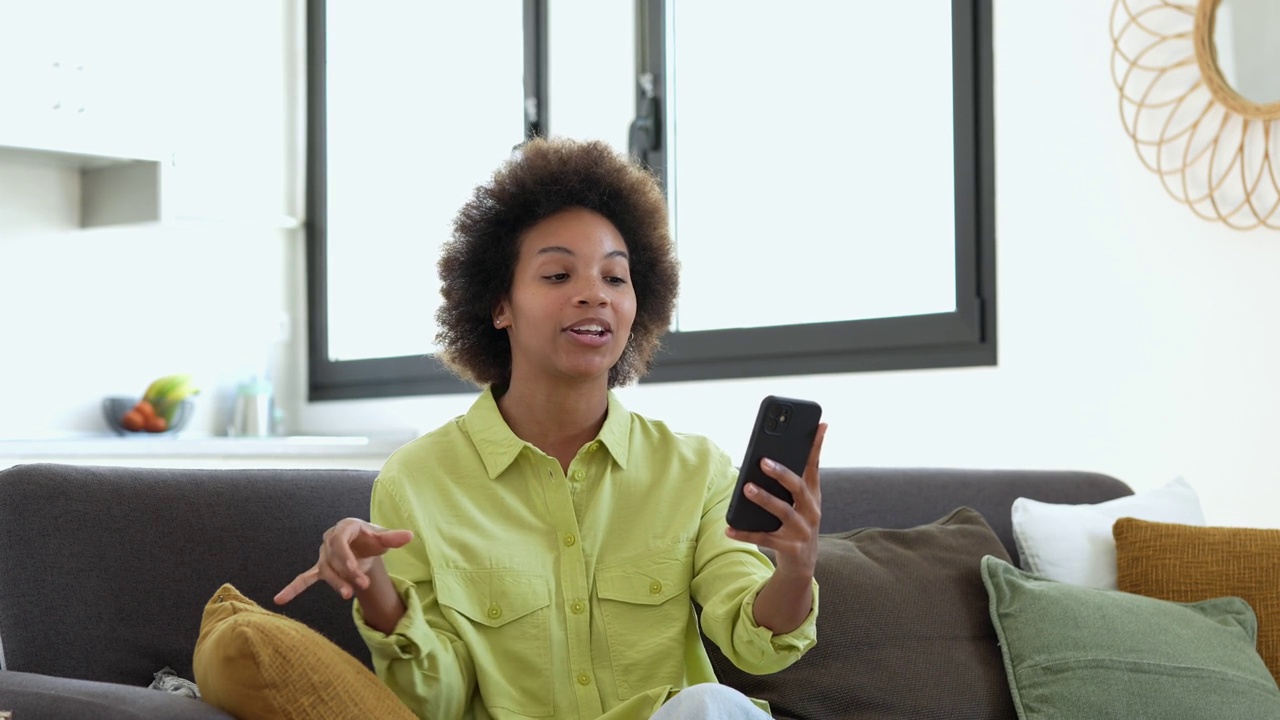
{"x": 535, "y": 593}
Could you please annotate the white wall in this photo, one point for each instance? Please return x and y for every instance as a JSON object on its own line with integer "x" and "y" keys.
{"x": 1135, "y": 339}
{"x": 90, "y": 313}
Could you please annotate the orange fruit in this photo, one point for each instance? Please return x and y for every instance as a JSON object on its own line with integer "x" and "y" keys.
{"x": 133, "y": 421}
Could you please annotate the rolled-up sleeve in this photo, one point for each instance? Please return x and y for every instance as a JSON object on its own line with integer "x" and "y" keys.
{"x": 422, "y": 660}
{"x": 728, "y": 577}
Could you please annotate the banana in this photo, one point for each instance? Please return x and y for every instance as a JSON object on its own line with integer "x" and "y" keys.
{"x": 160, "y": 387}
{"x": 167, "y": 393}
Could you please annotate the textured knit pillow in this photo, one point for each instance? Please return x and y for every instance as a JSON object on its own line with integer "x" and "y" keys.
{"x": 1079, "y": 652}
{"x": 1073, "y": 544}
{"x": 902, "y": 630}
{"x": 1183, "y": 563}
{"x": 260, "y": 665}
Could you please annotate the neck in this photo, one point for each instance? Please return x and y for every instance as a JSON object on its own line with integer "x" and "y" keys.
{"x": 555, "y": 419}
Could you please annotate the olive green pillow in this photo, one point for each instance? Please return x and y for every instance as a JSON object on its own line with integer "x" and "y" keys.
{"x": 1079, "y": 652}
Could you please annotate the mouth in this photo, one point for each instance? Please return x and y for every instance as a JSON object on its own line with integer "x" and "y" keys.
{"x": 590, "y": 328}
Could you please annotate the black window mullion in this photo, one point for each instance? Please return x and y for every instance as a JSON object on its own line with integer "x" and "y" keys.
{"x": 536, "y": 110}
{"x": 647, "y": 141}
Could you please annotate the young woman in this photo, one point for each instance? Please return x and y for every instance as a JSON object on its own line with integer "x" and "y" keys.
{"x": 546, "y": 549}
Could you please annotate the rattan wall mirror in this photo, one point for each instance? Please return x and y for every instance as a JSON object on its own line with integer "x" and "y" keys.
{"x": 1199, "y": 86}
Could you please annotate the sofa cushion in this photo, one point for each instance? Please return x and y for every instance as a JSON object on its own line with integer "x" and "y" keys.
{"x": 1073, "y": 543}
{"x": 259, "y": 665}
{"x": 31, "y": 696}
{"x": 902, "y": 630}
{"x": 1185, "y": 563}
{"x": 1109, "y": 655}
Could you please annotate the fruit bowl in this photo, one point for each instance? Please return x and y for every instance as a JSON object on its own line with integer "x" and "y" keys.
{"x": 114, "y": 408}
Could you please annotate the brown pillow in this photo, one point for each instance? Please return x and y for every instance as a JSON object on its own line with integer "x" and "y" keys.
{"x": 903, "y": 630}
{"x": 1186, "y": 563}
{"x": 260, "y": 665}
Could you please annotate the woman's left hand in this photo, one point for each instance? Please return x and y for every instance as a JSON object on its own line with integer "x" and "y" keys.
{"x": 796, "y": 542}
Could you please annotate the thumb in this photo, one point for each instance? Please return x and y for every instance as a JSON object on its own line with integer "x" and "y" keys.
{"x": 373, "y": 540}
{"x": 395, "y": 538}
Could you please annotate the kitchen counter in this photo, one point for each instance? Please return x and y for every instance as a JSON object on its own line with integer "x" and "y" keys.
{"x": 205, "y": 451}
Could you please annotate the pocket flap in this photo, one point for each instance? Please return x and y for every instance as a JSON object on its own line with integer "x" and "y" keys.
{"x": 648, "y": 580}
{"x": 492, "y": 597}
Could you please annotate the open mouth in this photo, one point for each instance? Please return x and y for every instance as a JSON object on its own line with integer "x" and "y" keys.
{"x": 590, "y": 329}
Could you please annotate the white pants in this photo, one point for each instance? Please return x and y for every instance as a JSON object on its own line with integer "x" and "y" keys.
{"x": 709, "y": 701}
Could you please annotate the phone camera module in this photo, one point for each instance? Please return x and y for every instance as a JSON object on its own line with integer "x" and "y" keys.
{"x": 771, "y": 424}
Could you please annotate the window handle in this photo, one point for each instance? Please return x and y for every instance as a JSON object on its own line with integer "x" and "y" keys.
{"x": 644, "y": 136}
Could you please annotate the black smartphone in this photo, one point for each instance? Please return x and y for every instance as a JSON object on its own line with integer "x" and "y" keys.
{"x": 784, "y": 432}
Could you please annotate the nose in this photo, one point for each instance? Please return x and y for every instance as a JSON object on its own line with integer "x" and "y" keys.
{"x": 591, "y": 292}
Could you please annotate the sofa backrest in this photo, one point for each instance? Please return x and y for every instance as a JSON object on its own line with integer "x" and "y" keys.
{"x": 104, "y": 570}
{"x": 906, "y": 497}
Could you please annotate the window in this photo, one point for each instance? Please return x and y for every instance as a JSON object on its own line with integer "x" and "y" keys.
{"x": 830, "y": 215}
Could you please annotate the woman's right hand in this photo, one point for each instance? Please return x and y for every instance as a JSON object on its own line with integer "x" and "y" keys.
{"x": 350, "y": 551}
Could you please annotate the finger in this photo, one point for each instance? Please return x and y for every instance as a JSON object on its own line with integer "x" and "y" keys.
{"x": 300, "y": 583}
{"x": 773, "y": 504}
{"x": 395, "y": 538}
{"x": 337, "y": 579}
{"x": 811, "y": 467}
{"x": 373, "y": 540}
{"x": 343, "y": 548}
{"x": 782, "y": 474}
{"x": 762, "y": 539}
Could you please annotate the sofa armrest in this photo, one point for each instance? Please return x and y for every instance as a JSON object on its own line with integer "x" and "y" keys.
{"x": 43, "y": 697}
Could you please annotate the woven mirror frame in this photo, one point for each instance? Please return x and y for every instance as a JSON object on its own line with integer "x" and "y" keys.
{"x": 1213, "y": 149}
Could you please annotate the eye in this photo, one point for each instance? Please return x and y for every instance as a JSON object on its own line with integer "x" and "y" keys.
{"x": 615, "y": 280}
{"x": 557, "y": 277}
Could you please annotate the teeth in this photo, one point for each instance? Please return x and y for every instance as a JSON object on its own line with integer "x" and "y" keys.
{"x": 589, "y": 329}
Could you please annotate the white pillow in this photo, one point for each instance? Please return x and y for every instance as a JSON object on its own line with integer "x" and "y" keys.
{"x": 1073, "y": 543}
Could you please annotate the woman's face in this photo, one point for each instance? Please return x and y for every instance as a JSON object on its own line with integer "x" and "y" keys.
{"x": 571, "y": 305}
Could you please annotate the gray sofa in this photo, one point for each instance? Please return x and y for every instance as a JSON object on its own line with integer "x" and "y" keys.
{"x": 104, "y": 570}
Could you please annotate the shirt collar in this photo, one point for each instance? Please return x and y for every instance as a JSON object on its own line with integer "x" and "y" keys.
{"x": 498, "y": 446}
{"x": 615, "y": 434}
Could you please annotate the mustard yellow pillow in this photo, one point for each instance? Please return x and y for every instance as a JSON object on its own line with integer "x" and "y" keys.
{"x": 1187, "y": 563}
{"x": 260, "y": 665}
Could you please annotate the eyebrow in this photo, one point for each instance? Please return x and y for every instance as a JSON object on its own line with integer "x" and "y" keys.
{"x": 561, "y": 250}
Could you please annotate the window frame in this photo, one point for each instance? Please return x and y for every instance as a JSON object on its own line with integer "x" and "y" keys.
{"x": 964, "y": 337}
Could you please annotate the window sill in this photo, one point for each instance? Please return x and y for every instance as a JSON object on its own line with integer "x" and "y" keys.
{"x": 180, "y": 446}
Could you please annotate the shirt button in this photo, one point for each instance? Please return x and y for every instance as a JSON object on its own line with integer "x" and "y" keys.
{"x": 578, "y": 474}
{"x": 570, "y": 540}
{"x": 495, "y": 612}
{"x": 577, "y": 607}
{"x": 593, "y": 447}
{"x": 655, "y": 587}
{"x": 584, "y": 679}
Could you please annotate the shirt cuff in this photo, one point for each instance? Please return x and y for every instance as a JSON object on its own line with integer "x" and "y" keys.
{"x": 775, "y": 652}
{"x": 400, "y": 644}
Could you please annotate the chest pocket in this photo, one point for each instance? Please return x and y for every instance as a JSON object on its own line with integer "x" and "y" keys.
{"x": 503, "y": 617}
{"x": 646, "y": 609}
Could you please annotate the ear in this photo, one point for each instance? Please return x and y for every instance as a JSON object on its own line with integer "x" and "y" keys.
{"x": 502, "y": 314}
